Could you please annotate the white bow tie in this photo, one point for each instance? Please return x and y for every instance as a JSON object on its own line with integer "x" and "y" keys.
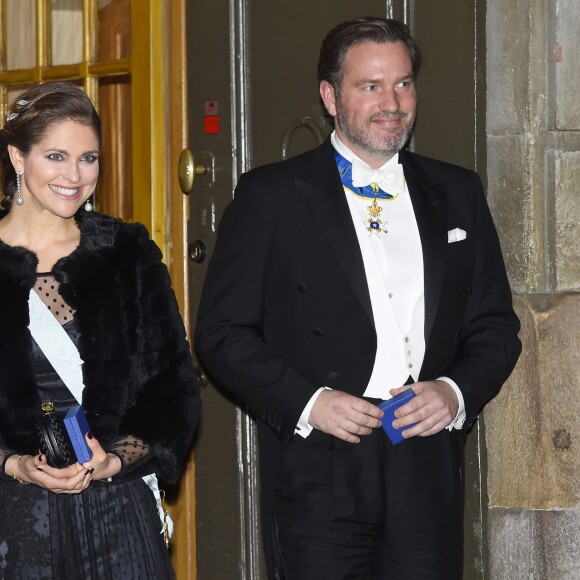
{"x": 390, "y": 179}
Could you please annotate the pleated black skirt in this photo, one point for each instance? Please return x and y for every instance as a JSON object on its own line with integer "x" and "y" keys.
{"x": 109, "y": 532}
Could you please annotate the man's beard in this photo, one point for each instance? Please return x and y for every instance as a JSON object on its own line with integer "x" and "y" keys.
{"x": 361, "y": 135}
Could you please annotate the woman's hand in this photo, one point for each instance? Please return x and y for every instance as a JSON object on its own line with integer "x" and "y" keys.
{"x": 102, "y": 465}
{"x": 72, "y": 479}
{"x": 34, "y": 469}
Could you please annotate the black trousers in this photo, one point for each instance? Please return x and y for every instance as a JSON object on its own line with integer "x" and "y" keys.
{"x": 373, "y": 510}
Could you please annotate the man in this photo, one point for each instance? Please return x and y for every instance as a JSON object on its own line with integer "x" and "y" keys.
{"x": 341, "y": 278}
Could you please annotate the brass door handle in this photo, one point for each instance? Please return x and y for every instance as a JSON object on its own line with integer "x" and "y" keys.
{"x": 187, "y": 170}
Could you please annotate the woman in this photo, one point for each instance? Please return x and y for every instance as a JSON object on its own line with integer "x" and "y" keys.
{"x": 104, "y": 282}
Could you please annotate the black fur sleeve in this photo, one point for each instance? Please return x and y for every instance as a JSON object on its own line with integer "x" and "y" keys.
{"x": 165, "y": 408}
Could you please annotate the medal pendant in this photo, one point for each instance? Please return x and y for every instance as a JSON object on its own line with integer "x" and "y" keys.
{"x": 375, "y": 224}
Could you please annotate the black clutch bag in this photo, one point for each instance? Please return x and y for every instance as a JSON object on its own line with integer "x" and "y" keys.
{"x": 53, "y": 439}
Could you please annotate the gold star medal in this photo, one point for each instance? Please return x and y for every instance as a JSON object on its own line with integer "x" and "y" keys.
{"x": 375, "y": 223}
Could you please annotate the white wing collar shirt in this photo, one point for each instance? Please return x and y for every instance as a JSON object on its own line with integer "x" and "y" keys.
{"x": 390, "y": 257}
{"x": 393, "y": 263}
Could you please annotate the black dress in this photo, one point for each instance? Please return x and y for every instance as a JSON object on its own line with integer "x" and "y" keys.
{"x": 109, "y": 531}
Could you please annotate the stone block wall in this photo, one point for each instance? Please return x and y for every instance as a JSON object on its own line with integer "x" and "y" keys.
{"x": 533, "y": 426}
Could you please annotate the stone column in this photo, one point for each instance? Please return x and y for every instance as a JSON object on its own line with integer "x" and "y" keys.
{"x": 533, "y": 426}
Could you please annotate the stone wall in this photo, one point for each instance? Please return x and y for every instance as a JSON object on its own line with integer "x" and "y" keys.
{"x": 533, "y": 426}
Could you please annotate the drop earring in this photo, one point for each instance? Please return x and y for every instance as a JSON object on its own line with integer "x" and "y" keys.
{"x": 88, "y": 205}
{"x": 19, "y": 200}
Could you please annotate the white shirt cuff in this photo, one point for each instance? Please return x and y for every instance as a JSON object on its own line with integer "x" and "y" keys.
{"x": 304, "y": 428}
{"x": 459, "y": 419}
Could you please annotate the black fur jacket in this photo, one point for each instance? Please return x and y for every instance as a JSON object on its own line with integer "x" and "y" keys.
{"x": 138, "y": 372}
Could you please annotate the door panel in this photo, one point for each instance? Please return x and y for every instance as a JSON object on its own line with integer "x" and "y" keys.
{"x": 286, "y": 38}
{"x": 218, "y": 483}
{"x": 257, "y": 59}
{"x": 115, "y": 105}
{"x": 451, "y": 115}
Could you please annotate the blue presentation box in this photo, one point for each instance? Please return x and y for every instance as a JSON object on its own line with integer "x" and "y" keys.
{"x": 389, "y": 407}
{"x": 77, "y": 427}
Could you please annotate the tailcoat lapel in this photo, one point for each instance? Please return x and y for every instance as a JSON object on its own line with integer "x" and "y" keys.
{"x": 429, "y": 201}
{"x": 324, "y": 196}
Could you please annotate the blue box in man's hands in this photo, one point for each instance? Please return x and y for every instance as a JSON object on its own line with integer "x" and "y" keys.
{"x": 389, "y": 407}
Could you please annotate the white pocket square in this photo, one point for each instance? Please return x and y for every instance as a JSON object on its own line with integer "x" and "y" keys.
{"x": 456, "y": 235}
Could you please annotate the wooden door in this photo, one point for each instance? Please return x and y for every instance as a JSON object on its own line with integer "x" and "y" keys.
{"x": 129, "y": 56}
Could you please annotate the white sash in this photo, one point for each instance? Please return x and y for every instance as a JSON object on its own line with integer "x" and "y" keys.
{"x": 56, "y": 345}
{"x": 64, "y": 356}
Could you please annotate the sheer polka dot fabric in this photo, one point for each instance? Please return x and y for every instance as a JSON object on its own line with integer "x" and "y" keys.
{"x": 131, "y": 451}
{"x": 47, "y": 288}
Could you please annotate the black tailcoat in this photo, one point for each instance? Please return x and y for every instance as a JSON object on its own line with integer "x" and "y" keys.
{"x": 286, "y": 306}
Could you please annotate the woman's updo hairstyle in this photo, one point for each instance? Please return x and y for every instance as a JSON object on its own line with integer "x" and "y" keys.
{"x": 32, "y": 114}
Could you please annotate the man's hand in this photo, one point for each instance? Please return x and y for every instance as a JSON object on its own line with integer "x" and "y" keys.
{"x": 344, "y": 416}
{"x": 434, "y": 406}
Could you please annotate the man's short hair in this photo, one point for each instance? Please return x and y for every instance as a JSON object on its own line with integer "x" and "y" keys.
{"x": 368, "y": 29}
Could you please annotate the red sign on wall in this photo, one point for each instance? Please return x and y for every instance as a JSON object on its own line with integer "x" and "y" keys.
{"x": 211, "y": 111}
